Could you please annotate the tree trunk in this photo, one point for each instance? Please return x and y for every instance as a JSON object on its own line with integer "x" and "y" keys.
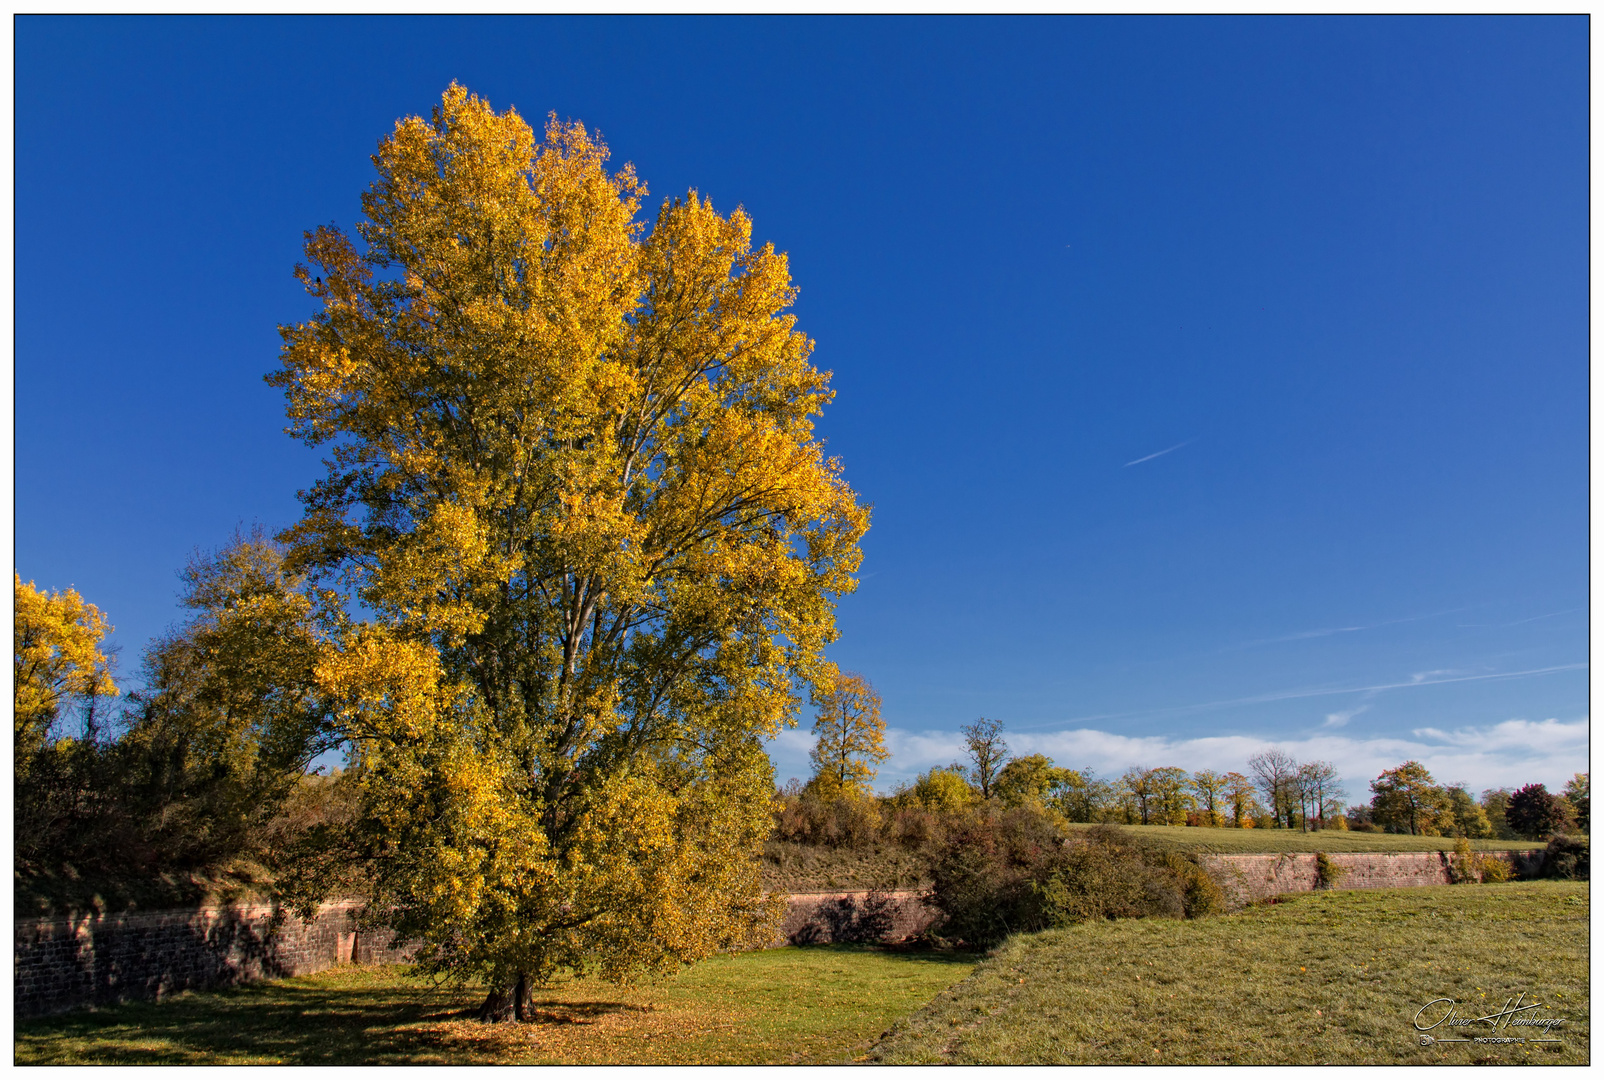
{"x": 505, "y": 1003}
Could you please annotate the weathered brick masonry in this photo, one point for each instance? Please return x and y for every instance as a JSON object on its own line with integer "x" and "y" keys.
{"x": 853, "y": 916}
{"x": 63, "y": 963}
{"x": 1247, "y": 878}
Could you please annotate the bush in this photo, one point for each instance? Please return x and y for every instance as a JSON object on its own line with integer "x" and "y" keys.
{"x": 999, "y": 874}
{"x": 1326, "y": 874}
{"x": 810, "y": 817}
{"x": 1566, "y": 858}
{"x": 1463, "y": 867}
{"x": 1493, "y": 870}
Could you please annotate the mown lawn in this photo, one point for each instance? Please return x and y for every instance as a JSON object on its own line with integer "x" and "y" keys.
{"x": 821, "y": 1003}
{"x": 1274, "y": 841}
{"x": 1328, "y": 977}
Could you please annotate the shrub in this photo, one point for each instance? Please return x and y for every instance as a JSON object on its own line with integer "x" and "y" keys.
{"x": 1565, "y": 857}
{"x": 813, "y": 817}
{"x": 1463, "y": 867}
{"x": 1016, "y": 871}
{"x": 1493, "y": 869}
{"x": 1326, "y": 874}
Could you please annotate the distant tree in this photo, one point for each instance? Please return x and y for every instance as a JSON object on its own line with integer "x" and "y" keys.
{"x": 1137, "y": 788}
{"x": 1208, "y": 787}
{"x": 1080, "y": 795}
{"x": 1169, "y": 788}
{"x": 1024, "y": 781}
{"x": 1359, "y": 819}
{"x": 1494, "y": 803}
{"x": 1238, "y": 792}
{"x": 1320, "y": 791}
{"x": 1276, "y": 772}
{"x": 1407, "y": 799}
{"x": 1536, "y": 813}
{"x": 1576, "y": 790}
{"x": 1462, "y": 816}
{"x": 987, "y": 752}
{"x": 850, "y": 734}
{"x": 944, "y": 790}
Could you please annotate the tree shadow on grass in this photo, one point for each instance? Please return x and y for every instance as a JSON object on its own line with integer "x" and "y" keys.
{"x": 297, "y": 1023}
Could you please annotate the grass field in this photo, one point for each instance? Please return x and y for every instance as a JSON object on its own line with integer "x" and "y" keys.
{"x": 1328, "y": 977}
{"x": 816, "y": 1004}
{"x": 1270, "y": 841}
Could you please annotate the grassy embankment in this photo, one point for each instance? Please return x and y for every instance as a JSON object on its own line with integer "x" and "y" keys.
{"x": 1328, "y": 977}
{"x": 822, "y": 1003}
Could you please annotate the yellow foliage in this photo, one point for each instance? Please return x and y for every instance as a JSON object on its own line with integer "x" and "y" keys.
{"x": 57, "y": 659}
{"x": 574, "y": 483}
{"x": 851, "y": 735}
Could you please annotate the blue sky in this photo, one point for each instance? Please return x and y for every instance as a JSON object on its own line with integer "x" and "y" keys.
{"x": 1216, "y": 382}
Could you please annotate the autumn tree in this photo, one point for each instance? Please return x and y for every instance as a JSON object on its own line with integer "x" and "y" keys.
{"x": 61, "y": 673}
{"x": 850, "y": 736}
{"x": 574, "y": 488}
{"x": 1238, "y": 792}
{"x": 1576, "y": 791}
{"x": 1080, "y": 795}
{"x": 1276, "y": 773}
{"x": 1466, "y": 818}
{"x": 1407, "y": 799}
{"x": 1208, "y": 788}
{"x": 1136, "y": 789}
{"x": 1320, "y": 793}
{"x": 1537, "y": 813}
{"x": 58, "y": 665}
{"x": 1169, "y": 793}
{"x": 1025, "y": 781}
{"x": 944, "y": 790}
{"x": 230, "y": 714}
{"x": 987, "y": 752}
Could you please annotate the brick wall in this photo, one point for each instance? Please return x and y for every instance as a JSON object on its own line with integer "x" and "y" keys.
{"x": 853, "y": 916}
{"x": 63, "y": 963}
{"x": 1247, "y": 878}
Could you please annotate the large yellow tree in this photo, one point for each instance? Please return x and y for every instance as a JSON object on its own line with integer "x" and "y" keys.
{"x": 574, "y": 486}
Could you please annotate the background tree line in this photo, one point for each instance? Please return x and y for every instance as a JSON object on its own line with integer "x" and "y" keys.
{"x": 1276, "y": 792}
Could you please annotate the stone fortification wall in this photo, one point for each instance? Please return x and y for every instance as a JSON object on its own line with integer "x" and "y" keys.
{"x": 63, "y": 963}
{"x": 1248, "y": 878}
{"x": 853, "y": 916}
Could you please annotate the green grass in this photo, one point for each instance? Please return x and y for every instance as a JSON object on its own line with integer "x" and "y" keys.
{"x": 1329, "y": 977}
{"x": 1274, "y": 841}
{"x": 822, "y": 1003}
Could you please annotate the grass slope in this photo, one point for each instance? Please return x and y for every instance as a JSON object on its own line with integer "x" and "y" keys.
{"x": 1274, "y": 841}
{"x": 1330, "y": 977}
{"x": 820, "y": 1003}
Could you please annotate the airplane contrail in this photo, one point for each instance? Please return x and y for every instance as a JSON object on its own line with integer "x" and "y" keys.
{"x": 1161, "y": 453}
